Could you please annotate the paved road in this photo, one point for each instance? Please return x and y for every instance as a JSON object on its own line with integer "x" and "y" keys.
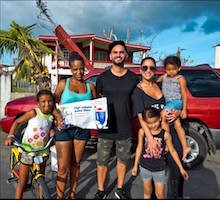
{"x": 204, "y": 182}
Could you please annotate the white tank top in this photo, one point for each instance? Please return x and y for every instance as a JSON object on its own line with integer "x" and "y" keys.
{"x": 37, "y": 132}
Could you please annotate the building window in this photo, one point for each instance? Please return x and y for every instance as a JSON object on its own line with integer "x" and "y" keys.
{"x": 101, "y": 55}
{"x": 65, "y": 57}
{"x": 65, "y": 54}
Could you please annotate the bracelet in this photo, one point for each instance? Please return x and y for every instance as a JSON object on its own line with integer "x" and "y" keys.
{"x": 10, "y": 136}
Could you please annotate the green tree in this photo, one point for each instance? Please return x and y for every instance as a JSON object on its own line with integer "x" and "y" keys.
{"x": 18, "y": 39}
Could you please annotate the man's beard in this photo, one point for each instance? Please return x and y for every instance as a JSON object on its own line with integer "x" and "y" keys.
{"x": 120, "y": 64}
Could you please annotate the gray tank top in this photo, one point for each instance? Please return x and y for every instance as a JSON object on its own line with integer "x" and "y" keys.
{"x": 171, "y": 88}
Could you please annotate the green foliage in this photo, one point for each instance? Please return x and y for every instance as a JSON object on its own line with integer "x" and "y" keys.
{"x": 19, "y": 39}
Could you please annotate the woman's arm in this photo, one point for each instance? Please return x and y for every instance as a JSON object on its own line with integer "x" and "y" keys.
{"x": 153, "y": 144}
{"x": 172, "y": 115}
{"x": 25, "y": 117}
{"x": 160, "y": 79}
{"x": 57, "y": 95}
{"x": 93, "y": 90}
{"x": 51, "y": 132}
{"x": 59, "y": 90}
{"x": 183, "y": 88}
{"x": 138, "y": 108}
{"x": 138, "y": 151}
{"x": 173, "y": 153}
{"x": 164, "y": 122}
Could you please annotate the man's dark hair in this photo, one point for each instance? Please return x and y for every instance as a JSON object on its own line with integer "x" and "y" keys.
{"x": 75, "y": 56}
{"x": 150, "y": 112}
{"x": 44, "y": 92}
{"x": 117, "y": 42}
{"x": 173, "y": 60}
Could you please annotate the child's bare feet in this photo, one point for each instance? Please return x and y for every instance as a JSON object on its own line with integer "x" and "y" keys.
{"x": 186, "y": 150}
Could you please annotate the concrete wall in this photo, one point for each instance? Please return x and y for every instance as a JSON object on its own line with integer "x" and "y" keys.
{"x": 5, "y": 89}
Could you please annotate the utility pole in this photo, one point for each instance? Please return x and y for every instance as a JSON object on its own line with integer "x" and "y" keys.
{"x": 128, "y": 35}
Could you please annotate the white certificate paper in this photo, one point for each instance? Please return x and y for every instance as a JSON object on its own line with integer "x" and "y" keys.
{"x": 88, "y": 114}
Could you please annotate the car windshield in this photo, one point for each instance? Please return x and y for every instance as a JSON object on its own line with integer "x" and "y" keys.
{"x": 202, "y": 83}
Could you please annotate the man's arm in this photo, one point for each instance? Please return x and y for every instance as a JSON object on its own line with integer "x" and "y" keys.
{"x": 99, "y": 86}
{"x": 93, "y": 90}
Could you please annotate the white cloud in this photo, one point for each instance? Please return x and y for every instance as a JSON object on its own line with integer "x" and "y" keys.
{"x": 152, "y": 17}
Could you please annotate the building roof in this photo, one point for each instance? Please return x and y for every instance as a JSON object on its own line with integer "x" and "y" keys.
{"x": 104, "y": 42}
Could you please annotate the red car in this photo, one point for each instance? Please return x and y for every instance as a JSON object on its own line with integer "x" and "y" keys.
{"x": 202, "y": 125}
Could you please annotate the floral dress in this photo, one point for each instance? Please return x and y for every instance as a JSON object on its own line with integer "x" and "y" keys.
{"x": 36, "y": 136}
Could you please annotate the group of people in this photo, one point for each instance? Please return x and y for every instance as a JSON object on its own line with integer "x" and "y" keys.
{"x": 161, "y": 138}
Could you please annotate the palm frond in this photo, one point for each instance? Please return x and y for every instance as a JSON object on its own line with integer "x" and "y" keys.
{"x": 18, "y": 39}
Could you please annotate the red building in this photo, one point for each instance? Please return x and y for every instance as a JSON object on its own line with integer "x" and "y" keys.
{"x": 94, "y": 48}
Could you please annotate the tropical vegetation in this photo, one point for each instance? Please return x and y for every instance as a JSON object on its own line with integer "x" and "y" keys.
{"x": 19, "y": 40}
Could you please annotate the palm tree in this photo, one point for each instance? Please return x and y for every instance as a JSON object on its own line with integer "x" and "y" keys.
{"x": 179, "y": 50}
{"x": 18, "y": 39}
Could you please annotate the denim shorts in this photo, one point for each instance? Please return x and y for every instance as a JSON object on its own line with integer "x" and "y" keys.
{"x": 104, "y": 150}
{"x": 72, "y": 133}
{"x": 174, "y": 104}
{"x": 157, "y": 176}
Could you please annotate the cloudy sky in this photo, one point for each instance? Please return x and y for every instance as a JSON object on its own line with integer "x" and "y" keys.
{"x": 193, "y": 26}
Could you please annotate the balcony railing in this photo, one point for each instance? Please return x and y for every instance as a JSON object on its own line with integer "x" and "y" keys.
{"x": 97, "y": 64}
